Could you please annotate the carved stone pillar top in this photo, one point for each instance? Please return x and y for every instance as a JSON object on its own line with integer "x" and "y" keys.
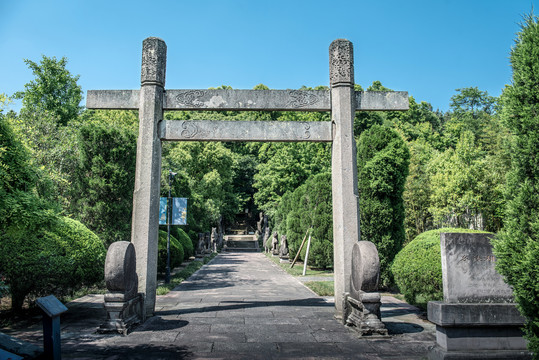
{"x": 154, "y": 61}
{"x": 341, "y": 63}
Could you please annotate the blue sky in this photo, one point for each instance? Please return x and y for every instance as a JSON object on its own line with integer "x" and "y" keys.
{"x": 428, "y": 47}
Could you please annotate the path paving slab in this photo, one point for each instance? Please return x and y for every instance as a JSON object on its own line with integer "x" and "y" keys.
{"x": 240, "y": 306}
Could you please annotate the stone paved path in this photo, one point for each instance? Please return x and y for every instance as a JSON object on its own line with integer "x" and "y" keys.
{"x": 242, "y": 306}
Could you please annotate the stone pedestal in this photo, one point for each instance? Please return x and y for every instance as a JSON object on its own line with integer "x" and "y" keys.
{"x": 122, "y": 315}
{"x": 125, "y": 307}
{"x": 477, "y": 331}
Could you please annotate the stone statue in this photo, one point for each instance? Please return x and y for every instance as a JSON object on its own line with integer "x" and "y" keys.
{"x": 220, "y": 232}
{"x": 275, "y": 244}
{"x": 266, "y": 239}
{"x": 283, "y": 250}
{"x": 213, "y": 239}
{"x": 201, "y": 244}
{"x": 207, "y": 245}
{"x": 260, "y": 223}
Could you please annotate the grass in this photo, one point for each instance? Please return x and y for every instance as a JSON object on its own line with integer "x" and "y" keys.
{"x": 321, "y": 288}
{"x": 297, "y": 270}
{"x": 180, "y": 276}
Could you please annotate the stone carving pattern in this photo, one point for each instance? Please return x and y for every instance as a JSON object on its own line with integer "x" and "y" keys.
{"x": 300, "y": 98}
{"x": 154, "y": 57}
{"x": 191, "y": 98}
{"x": 341, "y": 62}
{"x": 189, "y": 130}
{"x": 307, "y": 133}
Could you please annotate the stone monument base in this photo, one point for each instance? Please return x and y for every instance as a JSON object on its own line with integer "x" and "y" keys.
{"x": 477, "y": 331}
{"x": 122, "y": 316}
{"x": 363, "y": 314}
{"x": 284, "y": 259}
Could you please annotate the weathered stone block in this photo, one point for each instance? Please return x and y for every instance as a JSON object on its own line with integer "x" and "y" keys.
{"x": 468, "y": 273}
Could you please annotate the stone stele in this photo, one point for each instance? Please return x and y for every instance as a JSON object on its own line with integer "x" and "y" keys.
{"x": 468, "y": 273}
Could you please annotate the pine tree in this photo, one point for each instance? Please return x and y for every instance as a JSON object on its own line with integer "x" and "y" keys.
{"x": 517, "y": 246}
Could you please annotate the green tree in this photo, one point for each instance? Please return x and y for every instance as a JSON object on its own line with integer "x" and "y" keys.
{"x": 383, "y": 159}
{"x": 517, "y": 246}
{"x": 418, "y": 190}
{"x": 54, "y": 90}
{"x": 207, "y": 170}
{"x": 105, "y": 180}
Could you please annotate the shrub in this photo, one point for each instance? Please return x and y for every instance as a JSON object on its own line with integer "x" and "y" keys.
{"x": 58, "y": 258}
{"x": 417, "y": 268}
{"x": 321, "y": 254}
{"x": 183, "y": 238}
{"x": 188, "y": 248}
{"x": 176, "y": 252}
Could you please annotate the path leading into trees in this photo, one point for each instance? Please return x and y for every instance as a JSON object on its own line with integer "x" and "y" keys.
{"x": 243, "y": 306}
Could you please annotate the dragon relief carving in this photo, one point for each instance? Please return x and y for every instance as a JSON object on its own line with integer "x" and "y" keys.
{"x": 307, "y": 133}
{"x": 189, "y": 129}
{"x": 300, "y": 98}
{"x": 190, "y": 98}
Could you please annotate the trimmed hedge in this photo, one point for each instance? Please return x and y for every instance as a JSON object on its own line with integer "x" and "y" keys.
{"x": 183, "y": 238}
{"x": 417, "y": 268}
{"x": 176, "y": 252}
{"x": 63, "y": 256}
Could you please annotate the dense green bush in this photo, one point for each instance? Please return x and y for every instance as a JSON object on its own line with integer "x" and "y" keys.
{"x": 321, "y": 254}
{"x": 185, "y": 241}
{"x": 517, "y": 246}
{"x": 383, "y": 159}
{"x": 417, "y": 268}
{"x": 57, "y": 258}
{"x": 40, "y": 252}
{"x": 176, "y": 252}
{"x": 83, "y": 253}
{"x": 183, "y": 238}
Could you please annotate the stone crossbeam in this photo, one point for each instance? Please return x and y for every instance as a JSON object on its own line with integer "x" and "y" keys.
{"x": 214, "y": 130}
{"x": 253, "y": 100}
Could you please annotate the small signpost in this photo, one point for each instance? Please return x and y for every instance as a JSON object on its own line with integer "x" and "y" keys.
{"x": 52, "y": 309}
{"x": 172, "y": 211}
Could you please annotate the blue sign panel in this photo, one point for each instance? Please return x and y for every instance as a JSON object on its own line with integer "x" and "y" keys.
{"x": 179, "y": 211}
{"x": 163, "y": 211}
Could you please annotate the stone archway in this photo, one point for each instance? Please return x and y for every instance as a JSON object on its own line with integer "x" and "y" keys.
{"x": 152, "y": 99}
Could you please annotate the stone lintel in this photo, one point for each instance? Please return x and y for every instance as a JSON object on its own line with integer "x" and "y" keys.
{"x": 250, "y": 100}
{"x": 478, "y": 314}
{"x": 214, "y": 130}
{"x": 382, "y": 101}
{"x": 113, "y": 99}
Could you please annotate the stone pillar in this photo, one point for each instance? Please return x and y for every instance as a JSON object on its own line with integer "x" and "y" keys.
{"x": 145, "y": 221}
{"x": 343, "y": 166}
